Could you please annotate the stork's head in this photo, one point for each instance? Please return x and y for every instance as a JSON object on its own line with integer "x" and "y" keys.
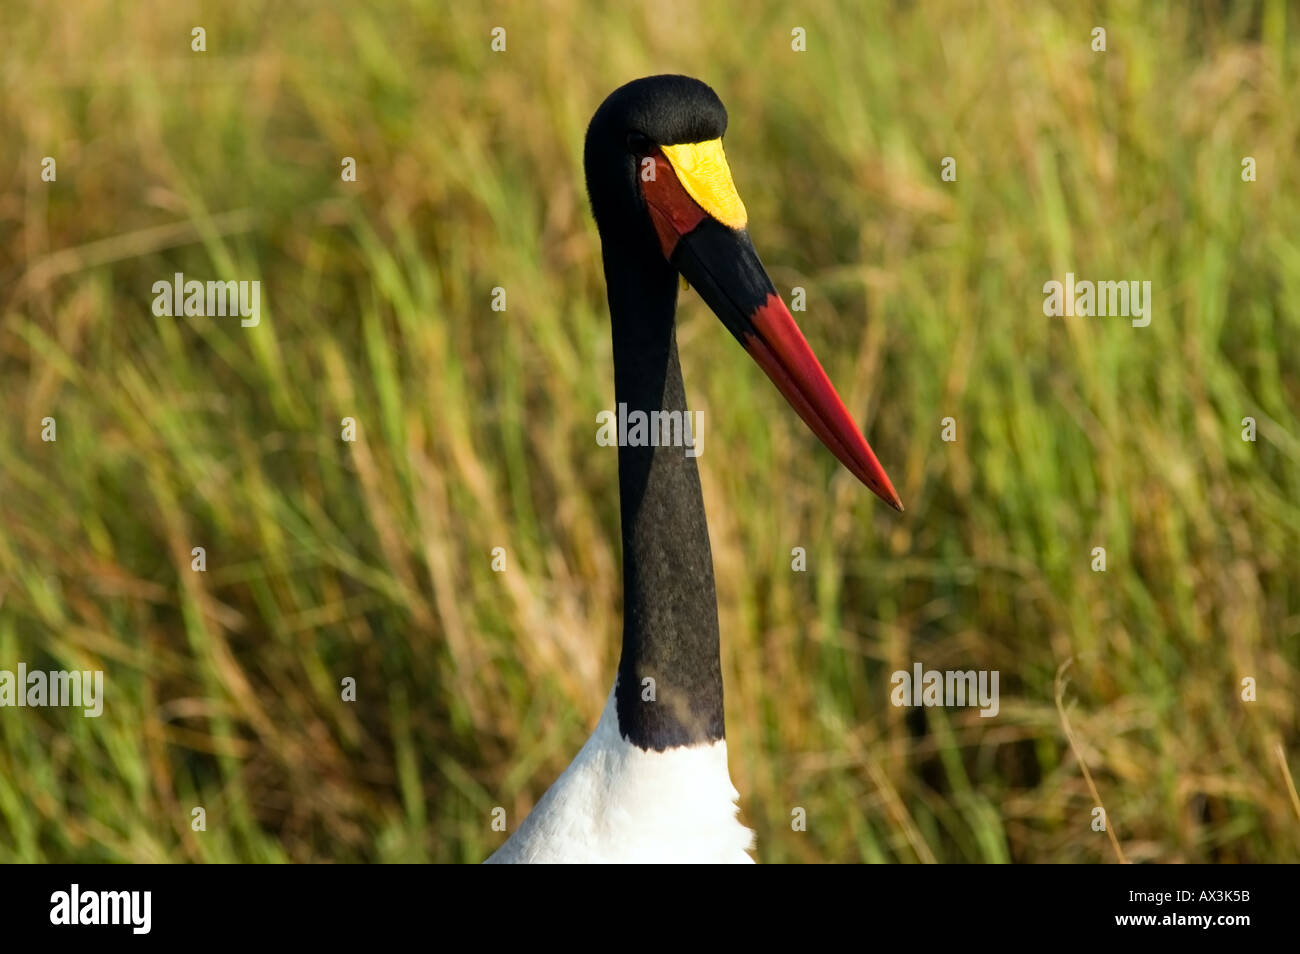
{"x": 660, "y": 186}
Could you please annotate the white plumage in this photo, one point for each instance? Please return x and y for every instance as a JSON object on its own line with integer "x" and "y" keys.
{"x": 619, "y": 803}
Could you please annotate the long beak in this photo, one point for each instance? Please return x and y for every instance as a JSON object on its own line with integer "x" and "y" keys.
{"x": 722, "y": 265}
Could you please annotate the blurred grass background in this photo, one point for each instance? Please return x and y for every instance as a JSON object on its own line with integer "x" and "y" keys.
{"x": 476, "y": 428}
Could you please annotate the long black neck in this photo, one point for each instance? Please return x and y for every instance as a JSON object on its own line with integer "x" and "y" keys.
{"x": 670, "y": 606}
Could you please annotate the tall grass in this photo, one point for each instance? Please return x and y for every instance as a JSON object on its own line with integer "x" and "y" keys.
{"x": 371, "y": 560}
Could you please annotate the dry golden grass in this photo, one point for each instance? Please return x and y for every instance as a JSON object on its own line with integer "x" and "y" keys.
{"x": 371, "y": 560}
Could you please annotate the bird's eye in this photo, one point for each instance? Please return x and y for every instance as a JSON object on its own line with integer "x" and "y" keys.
{"x": 639, "y": 144}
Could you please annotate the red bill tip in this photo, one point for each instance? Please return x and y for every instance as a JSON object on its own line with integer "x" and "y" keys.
{"x": 780, "y": 349}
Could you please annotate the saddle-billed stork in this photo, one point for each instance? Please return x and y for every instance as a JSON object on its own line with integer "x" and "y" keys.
{"x": 651, "y": 784}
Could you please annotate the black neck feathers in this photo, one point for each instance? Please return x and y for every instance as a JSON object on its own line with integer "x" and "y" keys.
{"x": 669, "y": 677}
